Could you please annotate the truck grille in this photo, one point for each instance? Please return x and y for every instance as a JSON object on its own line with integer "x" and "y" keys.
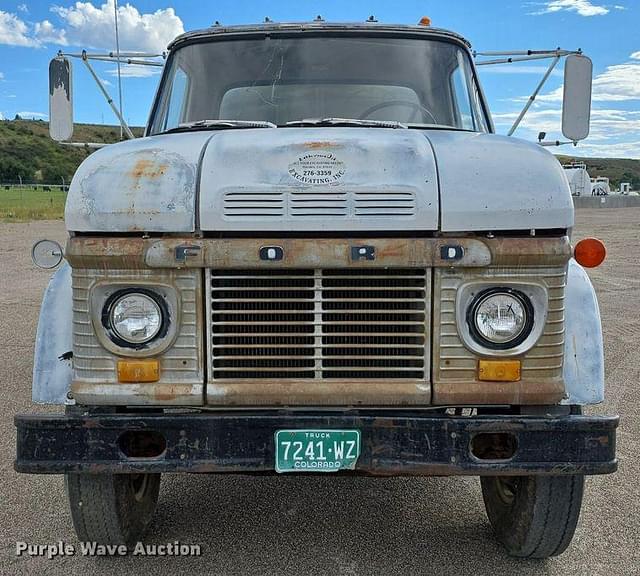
{"x": 319, "y": 324}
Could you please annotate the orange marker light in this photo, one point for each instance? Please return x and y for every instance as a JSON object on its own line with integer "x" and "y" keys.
{"x": 136, "y": 371}
{"x": 499, "y": 370}
{"x": 590, "y": 252}
{"x": 425, "y": 21}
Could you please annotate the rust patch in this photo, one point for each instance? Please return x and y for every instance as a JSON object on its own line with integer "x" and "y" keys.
{"x": 321, "y": 144}
{"x": 296, "y": 392}
{"x": 479, "y": 393}
{"x": 145, "y": 168}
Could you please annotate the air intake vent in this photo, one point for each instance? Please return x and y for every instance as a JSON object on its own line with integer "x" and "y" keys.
{"x": 319, "y": 324}
{"x": 317, "y": 204}
{"x": 244, "y": 205}
{"x": 310, "y": 204}
{"x": 385, "y": 204}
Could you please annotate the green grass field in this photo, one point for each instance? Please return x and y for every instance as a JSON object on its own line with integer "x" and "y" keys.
{"x": 21, "y": 204}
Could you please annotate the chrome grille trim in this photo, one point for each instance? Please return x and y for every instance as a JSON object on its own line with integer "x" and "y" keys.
{"x": 313, "y": 324}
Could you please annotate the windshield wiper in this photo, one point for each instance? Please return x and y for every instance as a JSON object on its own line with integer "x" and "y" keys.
{"x": 219, "y": 125}
{"x": 346, "y": 122}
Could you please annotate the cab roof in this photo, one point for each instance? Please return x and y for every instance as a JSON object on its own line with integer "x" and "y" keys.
{"x": 217, "y": 30}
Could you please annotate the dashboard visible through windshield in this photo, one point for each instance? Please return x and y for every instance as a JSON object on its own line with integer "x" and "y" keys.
{"x": 413, "y": 81}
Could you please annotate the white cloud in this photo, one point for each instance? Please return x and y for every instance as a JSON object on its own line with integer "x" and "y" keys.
{"x": 47, "y": 33}
{"x": 613, "y": 133}
{"x": 1, "y": 75}
{"x": 616, "y": 150}
{"x": 135, "y": 71}
{"x": 32, "y": 115}
{"x": 91, "y": 26}
{"x": 23, "y": 8}
{"x": 617, "y": 83}
{"x": 582, "y": 7}
{"x": 14, "y": 32}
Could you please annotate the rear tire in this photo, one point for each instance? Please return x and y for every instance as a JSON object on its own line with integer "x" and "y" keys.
{"x": 112, "y": 508}
{"x": 533, "y": 516}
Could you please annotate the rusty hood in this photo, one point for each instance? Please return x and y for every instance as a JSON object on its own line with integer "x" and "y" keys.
{"x": 146, "y": 184}
{"x": 319, "y": 180}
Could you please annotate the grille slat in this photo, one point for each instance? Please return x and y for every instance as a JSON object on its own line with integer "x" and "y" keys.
{"x": 320, "y": 324}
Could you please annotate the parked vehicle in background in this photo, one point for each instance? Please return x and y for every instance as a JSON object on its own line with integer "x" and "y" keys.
{"x": 321, "y": 258}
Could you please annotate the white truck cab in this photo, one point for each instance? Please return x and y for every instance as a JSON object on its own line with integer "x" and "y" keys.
{"x": 320, "y": 258}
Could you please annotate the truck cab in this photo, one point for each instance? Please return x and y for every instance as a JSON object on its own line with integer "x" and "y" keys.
{"x": 320, "y": 258}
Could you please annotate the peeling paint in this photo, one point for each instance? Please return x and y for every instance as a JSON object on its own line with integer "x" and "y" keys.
{"x": 147, "y": 184}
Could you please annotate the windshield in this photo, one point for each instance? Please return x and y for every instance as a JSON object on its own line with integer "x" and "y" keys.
{"x": 415, "y": 82}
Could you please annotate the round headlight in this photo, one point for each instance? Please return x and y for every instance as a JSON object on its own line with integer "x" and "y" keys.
{"x": 501, "y": 318}
{"x": 136, "y": 318}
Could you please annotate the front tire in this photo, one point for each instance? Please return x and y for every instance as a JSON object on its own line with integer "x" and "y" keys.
{"x": 112, "y": 508}
{"x": 533, "y": 516}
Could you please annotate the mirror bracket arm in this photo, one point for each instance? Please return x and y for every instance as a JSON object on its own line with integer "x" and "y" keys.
{"x": 108, "y": 98}
{"x": 533, "y": 96}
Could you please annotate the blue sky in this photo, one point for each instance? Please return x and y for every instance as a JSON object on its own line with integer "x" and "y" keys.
{"x": 31, "y": 32}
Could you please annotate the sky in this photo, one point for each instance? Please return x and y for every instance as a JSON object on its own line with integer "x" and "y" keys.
{"x": 31, "y": 32}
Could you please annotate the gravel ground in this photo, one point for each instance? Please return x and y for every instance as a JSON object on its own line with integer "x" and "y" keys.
{"x": 320, "y": 524}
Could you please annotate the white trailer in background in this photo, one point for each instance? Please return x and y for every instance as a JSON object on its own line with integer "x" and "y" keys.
{"x": 600, "y": 186}
{"x": 579, "y": 179}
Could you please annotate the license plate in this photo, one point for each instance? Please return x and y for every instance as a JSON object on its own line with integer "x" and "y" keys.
{"x": 317, "y": 450}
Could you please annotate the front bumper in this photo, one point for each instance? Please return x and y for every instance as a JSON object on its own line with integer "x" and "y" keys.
{"x": 394, "y": 443}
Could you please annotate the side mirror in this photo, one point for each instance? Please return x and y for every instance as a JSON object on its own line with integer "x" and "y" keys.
{"x": 576, "y": 99}
{"x": 60, "y": 99}
{"x": 47, "y": 254}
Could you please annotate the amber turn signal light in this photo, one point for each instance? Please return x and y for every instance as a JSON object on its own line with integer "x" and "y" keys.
{"x": 499, "y": 370}
{"x": 135, "y": 371}
{"x": 425, "y": 21}
{"x": 590, "y": 252}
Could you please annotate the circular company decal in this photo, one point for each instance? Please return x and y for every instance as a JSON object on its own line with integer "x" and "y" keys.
{"x": 317, "y": 168}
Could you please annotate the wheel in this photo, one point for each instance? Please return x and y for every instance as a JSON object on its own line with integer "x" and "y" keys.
{"x": 533, "y": 516}
{"x": 112, "y": 508}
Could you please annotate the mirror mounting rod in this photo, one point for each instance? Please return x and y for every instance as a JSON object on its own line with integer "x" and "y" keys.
{"x": 533, "y": 95}
{"x": 108, "y": 98}
{"x": 525, "y": 56}
{"x": 136, "y": 58}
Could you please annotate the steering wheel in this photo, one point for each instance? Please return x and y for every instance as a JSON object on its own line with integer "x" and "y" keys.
{"x": 416, "y": 108}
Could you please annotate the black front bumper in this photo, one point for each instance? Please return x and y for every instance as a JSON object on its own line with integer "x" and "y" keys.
{"x": 393, "y": 442}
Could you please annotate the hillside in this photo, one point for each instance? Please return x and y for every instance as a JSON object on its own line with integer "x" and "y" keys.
{"x": 27, "y": 151}
{"x": 616, "y": 169}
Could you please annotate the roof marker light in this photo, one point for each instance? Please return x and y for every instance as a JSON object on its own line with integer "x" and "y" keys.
{"x": 425, "y": 21}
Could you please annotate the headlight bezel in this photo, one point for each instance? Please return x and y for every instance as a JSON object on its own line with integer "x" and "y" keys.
{"x": 535, "y": 293}
{"x": 518, "y": 296}
{"x": 106, "y": 292}
{"x": 108, "y": 320}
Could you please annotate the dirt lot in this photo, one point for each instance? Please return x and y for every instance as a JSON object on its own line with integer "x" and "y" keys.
{"x": 324, "y": 525}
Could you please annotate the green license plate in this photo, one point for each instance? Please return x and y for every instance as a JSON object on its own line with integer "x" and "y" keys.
{"x": 317, "y": 450}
